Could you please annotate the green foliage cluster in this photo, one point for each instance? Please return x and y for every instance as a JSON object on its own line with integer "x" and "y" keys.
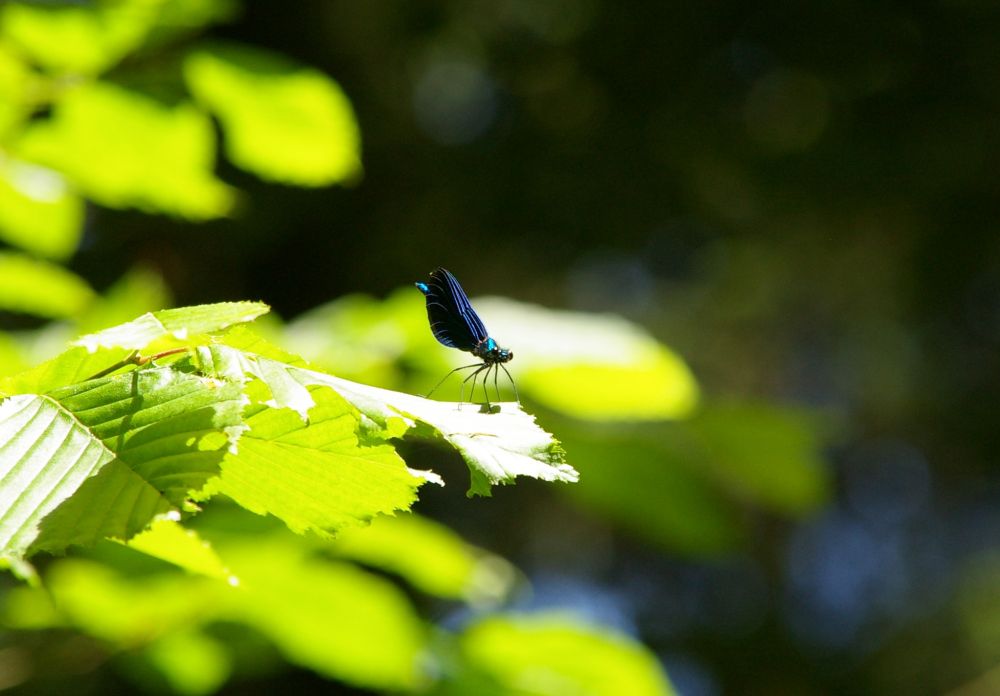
{"x": 113, "y": 102}
{"x": 129, "y": 433}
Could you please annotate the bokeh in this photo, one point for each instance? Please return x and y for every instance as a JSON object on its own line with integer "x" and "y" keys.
{"x": 797, "y": 200}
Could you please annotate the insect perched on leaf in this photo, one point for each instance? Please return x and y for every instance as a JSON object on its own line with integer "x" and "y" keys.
{"x": 455, "y": 324}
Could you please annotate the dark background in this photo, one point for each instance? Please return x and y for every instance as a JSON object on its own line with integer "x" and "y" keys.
{"x": 800, "y": 198}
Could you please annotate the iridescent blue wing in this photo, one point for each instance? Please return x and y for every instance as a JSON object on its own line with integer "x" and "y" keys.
{"x": 453, "y": 320}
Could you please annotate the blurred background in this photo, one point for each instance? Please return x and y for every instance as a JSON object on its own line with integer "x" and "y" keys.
{"x": 800, "y": 200}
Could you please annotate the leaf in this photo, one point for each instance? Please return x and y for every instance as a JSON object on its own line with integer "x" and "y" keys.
{"x": 97, "y": 352}
{"x": 45, "y": 456}
{"x": 595, "y": 367}
{"x": 191, "y": 662}
{"x": 545, "y": 655}
{"x": 125, "y": 150}
{"x": 282, "y": 121}
{"x": 77, "y": 39}
{"x": 768, "y": 454}
{"x": 123, "y": 611}
{"x": 103, "y": 458}
{"x": 430, "y": 556}
{"x": 171, "y": 428}
{"x": 181, "y": 323}
{"x": 314, "y": 476}
{"x": 686, "y": 485}
{"x": 647, "y": 481}
{"x": 38, "y": 211}
{"x": 167, "y": 540}
{"x": 330, "y": 617}
{"x": 497, "y": 446}
{"x": 40, "y": 288}
{"x": 116, "y": 503}
{"x": 74, "y": 365}
{"x": 16, "y": 82}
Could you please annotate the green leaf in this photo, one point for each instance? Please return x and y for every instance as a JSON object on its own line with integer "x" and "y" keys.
{"x": 116, "y": 503}
{"x": 103, "y": 458}
{"x": 595, "y": 367}
{"x": 123, "y": 611}
{"x": 182, "y": 324}
{"x": 170, "y": 427}
{"x": 16, "y": 83}
{"x": 125, "y": 150}
{"x": 40, "y": 288}
{"x": 76, "y": 39}
{"x": 430, "y": 556}
{"x": 169, "y": 541}
{"x": 191, "y": 661}
{"x": 99, "y": 351}
{"x": 498, "y": 447}
{"x": 558, "y": 656}
{"x": 330, "y": 617}
{"x": 314, "y": 476}
{"x": 45, "y": 457}
{"x": 74, "y": 365}
{"x": 648, "y": 482}
{"x": 282, "y": 121}
{"x": 768, "y": 454}
{"x": 38, "y": 211}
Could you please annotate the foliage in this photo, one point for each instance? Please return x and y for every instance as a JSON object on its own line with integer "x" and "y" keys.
{"x": 103, "y": 454}
{"x": 76, "y": 125}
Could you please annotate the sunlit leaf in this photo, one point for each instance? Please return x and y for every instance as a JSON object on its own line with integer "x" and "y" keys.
{"x": 170, "y": 427}
{"x": 38, "y": 212}
{"x": 45, "y": 456}
{"x": 125, "y": 150}
{"x": 498, "y": 447}
{"x": 282, "y": 121}
{"x": 16, "y": 93}
{"x": 180, "y": 323}
{"x": 103, "y": 458}
{"x": 330, "y": 617}
{"x": 167, "y": 540}
{"x": 598, "y": 367}
{"x": 77, "y": 39}
{"x": 558, "y": 656}
{"x": 36, "y": 287}
{"x": 85, "y": 360}
{"x": 128, "y": 611}
{"x": 314, "y": 475}
{"x": 71, "y": 366}
{"x": 429, "y": 555}
{"x": 192, "y": 662}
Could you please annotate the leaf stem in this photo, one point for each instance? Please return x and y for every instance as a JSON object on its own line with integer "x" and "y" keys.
{"x": 134, "y": 358}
